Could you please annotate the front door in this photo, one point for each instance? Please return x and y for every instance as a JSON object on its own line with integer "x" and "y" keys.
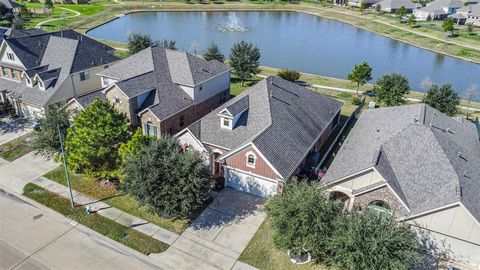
{"x": 216, "y": 166}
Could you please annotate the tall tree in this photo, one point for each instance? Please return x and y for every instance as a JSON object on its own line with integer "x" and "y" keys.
{"x": 213, "y": 53}
{"x": 372, "y": 241}
{"x": 134, "y": 145}
{"x": 45, "y": 140}
{"x": 390, "y": 89}
{"x": 401, "y": 12}
{"x": 411, "y": 21}
{"x": 95, "y": 136}
{"x": 302, "y": 218}
{"x": 244, "y": 59}
{"x": 48, "y": 4}
{"x": 167, "y": 44}
{"x": 361, "y": 74}
{"x": 471, "y": 94}
{"x": 449, "y": 26}
{"x": 443, "y": 98}
{"x": 166, "y": 179}
{"x": 138, "y": 42}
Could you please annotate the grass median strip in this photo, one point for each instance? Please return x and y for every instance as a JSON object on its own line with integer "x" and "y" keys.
{"x": 127, "y": 236}
{"x": 16, "y": 148}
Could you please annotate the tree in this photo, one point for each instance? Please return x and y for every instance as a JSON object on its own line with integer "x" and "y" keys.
{"x": 449, "y": 26}
{"x": 372, "y": 241}
{"x": 411, "y": 21}
{"x": 94, "y": 138}
{"x": 401, "y": 12}
{"x": 363, "y": 7}
{"x": 244, "y": 59}
{"x": 18, "y": 23}
{"x": 3, "y": 10}
{"x": 213, "y": 53}
{"x": 471, "y": 94}
{"x": 48, "y": 4}
{"x": 25, "y": 13}
{"x": 138, "y": 42}
{"x": 361, "y": 74}
{"x": 302, "y": 218}
{"x": 167, "y": 44}
{"x": 45, "y": 141}
{"x": 443, "y": 98}
{"x": 168, "y": 180}
{"x": 391, "y": 88}
{"x": 470, "y": 28}
{"x": 134, "y": 145}
{"x": 289, "y": 75}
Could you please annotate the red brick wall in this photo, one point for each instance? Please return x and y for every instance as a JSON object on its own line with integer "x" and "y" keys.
{"x": 239, "y": 161}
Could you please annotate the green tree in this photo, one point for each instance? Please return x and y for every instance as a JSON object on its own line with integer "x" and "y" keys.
{"x": 401, "y": 12}
{"x": 411, "y": 21}
{"x": 363, "y": 7}
{"x": 25, "y": 13}
{"x": 18, "y": 23}
{"x": 443, "y": 98}
{"x": 361, "y": 74}
{"x": 372, "y": 241}
{"x": 449, "y": 26}
{"x": 167, "y": 44}
{"x": 3, "y": 10}
{"x": 244, "y": 59}
{"x": 289, "y": 75}
{"x": 213, "y": 53}
{"x": 133, "y": 145}
{"x": 138, "y": 42}
{"x": 94, "y": 138}
{"x": 302, "y": 218}
{"x": 168, "y": 180}
{"x": 45, "y": 140}
{"x": 48, "y": 4}
{"x": 390, "y": 89}
{"x": 470, "y": 28}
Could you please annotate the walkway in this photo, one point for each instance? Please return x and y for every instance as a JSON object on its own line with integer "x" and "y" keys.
{"x": 109, "y": 212}
{"x": 76, "y": 14}
{"x": 12, "y": 129}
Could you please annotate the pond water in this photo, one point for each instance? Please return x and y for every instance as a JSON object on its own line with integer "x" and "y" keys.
{"x": 298, "y": 41}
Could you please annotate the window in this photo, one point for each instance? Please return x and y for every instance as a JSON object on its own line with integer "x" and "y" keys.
{"x": 224, "y": 97}
{"x": 117, "y": 101}
{"x": 105, "y": 81}
{"x": 29, "y": 82}
{"x": 4, "y": 71}
{"x": 41, "y": 85}
{"x": 150, "y": 129}
{"x": 85, "y": 75}
{"x": 251, "y": 158}
{"x": 14, "y": 74}
{"x": 11, "y": 56}
{"x": 226, "y": 123}
{"x": 380, "y": 207}
{"x": 182, "y": 120}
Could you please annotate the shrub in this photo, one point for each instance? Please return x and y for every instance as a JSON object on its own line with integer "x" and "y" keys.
{"x": 356, "y": 100}
{"x": 289, "y": 75}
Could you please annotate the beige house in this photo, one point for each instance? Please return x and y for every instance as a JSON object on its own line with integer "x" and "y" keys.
{"x": 470, "y": 14}
{"x": 420, "y": 166}
{"x": 40, "y": 69}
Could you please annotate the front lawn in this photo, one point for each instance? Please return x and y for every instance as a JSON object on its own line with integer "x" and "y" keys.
{"x": 16, "y": 148}
{"x": 117, "y": 199}
{"x": 127, "y": 236}
{"x": 262, "y": 253}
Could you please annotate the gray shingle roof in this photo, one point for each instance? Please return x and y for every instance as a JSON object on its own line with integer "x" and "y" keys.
{"x": 283, "y": 120}
{"x": 430, "y": 159}
{"x": 10, "y": 4}
{"x": 86, "y": 99}
{"x": 239, "y": 106}
{"x": 396, "y": 4}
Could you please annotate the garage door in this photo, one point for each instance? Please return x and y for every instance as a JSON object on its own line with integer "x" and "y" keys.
{"x": 251, "y": 184}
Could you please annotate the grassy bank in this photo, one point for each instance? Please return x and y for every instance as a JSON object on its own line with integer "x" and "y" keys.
{"x": 16, "y": 148}
{"x": 117, "y": 199}
{"x": 127, "y": 236}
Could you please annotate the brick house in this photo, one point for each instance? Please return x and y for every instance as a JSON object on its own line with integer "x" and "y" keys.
{"x": 422, "y": 167}
{"x": 262, "y": 137}
{"x": 38, "y": 69}
{"x": 163, "y": 91}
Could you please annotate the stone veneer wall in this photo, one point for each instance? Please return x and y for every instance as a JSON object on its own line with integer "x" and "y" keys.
{"x": 381, "y": 194}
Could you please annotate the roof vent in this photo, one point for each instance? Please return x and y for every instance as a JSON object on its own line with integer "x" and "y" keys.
{"x": 458, "y": 190}
{"x": 449, "y": 130}
{"x": 465, "y": 174}
{"x": 205, "y": 70}
{"x": 415, "y": 119}
{"x": 461, "y": 156}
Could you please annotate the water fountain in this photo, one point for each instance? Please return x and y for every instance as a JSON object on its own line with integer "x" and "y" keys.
{"x": 232, "y": 23}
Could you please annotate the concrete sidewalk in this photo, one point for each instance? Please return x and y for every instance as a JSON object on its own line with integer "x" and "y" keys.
{"x": 109, "y": 212}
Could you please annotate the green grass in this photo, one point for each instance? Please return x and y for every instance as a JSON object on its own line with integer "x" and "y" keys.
{"x": 16, "y": 148}
{"x": 117, "y": 199}
{"x": 262, "y": 253}
{"x": 127, "y": 236}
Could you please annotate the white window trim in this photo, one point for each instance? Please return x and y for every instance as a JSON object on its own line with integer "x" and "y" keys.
{"x": 41, "y": 85}
{"x": 222, "y": 119}
{"x": 247, "y": 155}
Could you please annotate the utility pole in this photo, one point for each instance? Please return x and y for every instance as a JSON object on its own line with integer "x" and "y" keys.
{"x": 65, "y": 166}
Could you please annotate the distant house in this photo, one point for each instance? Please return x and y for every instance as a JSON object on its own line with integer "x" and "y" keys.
{"x": 38, "y": 69}
{"x": 163, "y": 91}
{"x": 438, "y": 9}
{"x": 470, "y": 14}
{"x": 263, "y": 136}
{"x": 392, "y": 5}
{"x": 422, "y": 167}
{"x": 12, "y": 6}
{"x": 358, "y": 3}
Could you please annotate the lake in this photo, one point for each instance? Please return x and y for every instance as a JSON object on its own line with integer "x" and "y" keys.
{"x": 298, "y": 41}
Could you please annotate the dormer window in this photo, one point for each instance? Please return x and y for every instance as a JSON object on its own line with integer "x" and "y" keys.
{"x": 41, "y": 85}
{"x": 11, "y": 56}
{"x": 29, "y": 81}
{"x": 251, "y": 159}
{"x": 226, "y": 123}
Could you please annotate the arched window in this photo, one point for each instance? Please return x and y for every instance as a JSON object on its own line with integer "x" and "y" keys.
{"x": 150, "y": 129}
{"x": 251, "y": 159}
{"x": 380, "y": 207}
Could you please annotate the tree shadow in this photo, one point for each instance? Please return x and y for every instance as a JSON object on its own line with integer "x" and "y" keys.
{"x": 15, "y": 126}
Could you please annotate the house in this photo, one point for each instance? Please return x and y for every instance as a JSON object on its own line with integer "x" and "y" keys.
{"x": 438, "y": 9}
{"x": 11, "y": 6}
{"x": 470, "y": 14}
{"x": 161, "y": 90}
{"x": 37, "y": 70}
{"x": 392, "y": 5}
{"x": 422, "y": 167}
{"x": 262, "y": 137}
{"x": 358, "y": 3}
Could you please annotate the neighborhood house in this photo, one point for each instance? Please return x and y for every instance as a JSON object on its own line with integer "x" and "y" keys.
{"x": 419, "y": 165}
{"x": 438, "y": 9}
{"x": 263, "y": 136}
{"x": 161, "y": 90}
{"x": 469, "y": 14}
{"x": 38, "y": 69}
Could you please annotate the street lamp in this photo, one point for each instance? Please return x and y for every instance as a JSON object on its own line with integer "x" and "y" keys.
{"x": 65, "y": 166}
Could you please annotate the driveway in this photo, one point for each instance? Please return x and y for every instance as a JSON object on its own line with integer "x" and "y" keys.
{"x": 12, "y": 129}
{"x": 34, "y": 237}
{"x": 219, "y": 235}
